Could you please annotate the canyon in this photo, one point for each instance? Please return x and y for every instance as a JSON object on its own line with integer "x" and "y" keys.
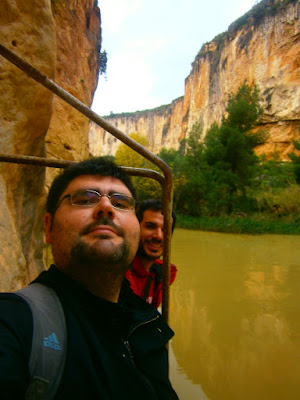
{"x": 262, "y": 47}
{"x": 63, "y": 40}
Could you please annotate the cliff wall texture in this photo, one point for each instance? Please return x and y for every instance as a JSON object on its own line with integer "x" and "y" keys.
{"x": 62, "y": 40}
{"x": 263, "y": 47}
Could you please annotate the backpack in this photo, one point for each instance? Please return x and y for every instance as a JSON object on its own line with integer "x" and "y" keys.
{"x": 49, "y": 340}
{"x": 157, "y": 269}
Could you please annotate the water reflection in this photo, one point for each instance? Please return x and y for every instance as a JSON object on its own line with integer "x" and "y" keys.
{"x": 235, "y": 310}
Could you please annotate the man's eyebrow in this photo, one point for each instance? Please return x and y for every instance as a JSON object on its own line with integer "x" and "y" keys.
{"x": 150, "y": 223}
{"x": 99, "y": 191}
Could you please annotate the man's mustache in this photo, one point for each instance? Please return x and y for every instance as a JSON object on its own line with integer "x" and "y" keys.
{"x": 102, "y": 221}
{"x": 154, "y": 240}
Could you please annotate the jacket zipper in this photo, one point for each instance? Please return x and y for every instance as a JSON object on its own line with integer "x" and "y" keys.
{"x": 141, "y": 324}
{"x": 127, "y": 344}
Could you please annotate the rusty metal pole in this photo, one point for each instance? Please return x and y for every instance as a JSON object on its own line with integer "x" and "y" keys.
{"x": 51, "y": 162}
{"x": 167, "y": 190}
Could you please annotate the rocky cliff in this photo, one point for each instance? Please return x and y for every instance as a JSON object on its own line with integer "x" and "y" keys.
{"x": 62, "y": 39}
{"x": 263, "y": 47}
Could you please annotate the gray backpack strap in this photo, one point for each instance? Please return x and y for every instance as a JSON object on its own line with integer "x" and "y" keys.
{"x": 49, "y": 340}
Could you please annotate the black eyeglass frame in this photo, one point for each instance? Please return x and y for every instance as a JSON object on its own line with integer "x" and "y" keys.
{"x": 132, "y": 200}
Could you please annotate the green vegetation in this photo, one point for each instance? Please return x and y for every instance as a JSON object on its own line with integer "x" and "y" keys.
{"x": 296, "y": 161}
{"x": 223, "y": 186}
{"x": 255, "y": 224}
{"x": 220, "y": 184}
{"x": 259, "y": 11}
{"x": 216, "y": 171}
{"x": 125, "y": 156}
{"x": 102, "y": 62}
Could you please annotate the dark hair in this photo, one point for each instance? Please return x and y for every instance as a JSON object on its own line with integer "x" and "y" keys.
{"x": 153, "y": 205}
{"x": 94, "y": 166}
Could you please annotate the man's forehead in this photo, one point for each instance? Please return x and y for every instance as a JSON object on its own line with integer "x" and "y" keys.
{"x": 103, "y": 184}
{"x": 152, "y": 215}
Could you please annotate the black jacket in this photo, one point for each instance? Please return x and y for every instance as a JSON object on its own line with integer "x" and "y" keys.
{"x": 114, "y": 351}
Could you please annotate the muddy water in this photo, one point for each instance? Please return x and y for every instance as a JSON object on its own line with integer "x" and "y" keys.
{"x": 235, "y": 309}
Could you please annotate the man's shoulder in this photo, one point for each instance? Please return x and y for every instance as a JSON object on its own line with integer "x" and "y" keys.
{"x": 15, "y": 311}
{"x": 158, "y": 262}
{"x": 138, "y": 268}
{"x": 10, "y": 302}
{"x": 157, "y": 272}
{"x": 16, "y": 315}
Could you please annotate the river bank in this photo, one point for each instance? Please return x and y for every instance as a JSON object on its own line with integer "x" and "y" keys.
{"x": 256, "y": 224}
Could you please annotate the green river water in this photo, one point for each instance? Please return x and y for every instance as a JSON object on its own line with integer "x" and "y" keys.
{"x": 235, "y": 310}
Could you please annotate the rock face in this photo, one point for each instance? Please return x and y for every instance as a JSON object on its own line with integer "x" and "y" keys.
{"x": 263, "y": 47}
{"x": 62, "y": 41}
{"x": 162, "y": 126}
{"x": 77, "y": 66}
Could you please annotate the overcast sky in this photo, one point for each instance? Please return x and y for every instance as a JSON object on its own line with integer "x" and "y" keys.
{"x": 151, "y": 46}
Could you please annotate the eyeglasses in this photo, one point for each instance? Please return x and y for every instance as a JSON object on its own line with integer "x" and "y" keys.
{"x": 90, "y": 198}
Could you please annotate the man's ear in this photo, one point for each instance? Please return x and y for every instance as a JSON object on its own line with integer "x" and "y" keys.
{"x": 48, "y": 227}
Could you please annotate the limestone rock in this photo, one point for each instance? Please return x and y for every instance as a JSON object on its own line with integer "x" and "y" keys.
{"x": 12, "y": 261}
{"x": 61, "y": 39}
{"x": 25, "y": 111}
{"x": 263, "y": 47}
{"x": 166, "y": 120}
{"x": 77, "y": 67}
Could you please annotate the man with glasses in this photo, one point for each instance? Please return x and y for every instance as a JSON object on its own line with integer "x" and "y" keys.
{"x": 116, "y": 343}
{"x": 145, "y": 273}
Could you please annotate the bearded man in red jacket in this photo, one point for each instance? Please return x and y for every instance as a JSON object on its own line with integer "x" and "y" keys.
{"x": 145, "y": 273}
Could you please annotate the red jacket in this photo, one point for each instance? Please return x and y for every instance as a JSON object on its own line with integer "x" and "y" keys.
{"x": 148, "y": 284}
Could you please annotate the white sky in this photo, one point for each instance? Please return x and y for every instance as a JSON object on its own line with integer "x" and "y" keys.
{"x": 151, "y": 46}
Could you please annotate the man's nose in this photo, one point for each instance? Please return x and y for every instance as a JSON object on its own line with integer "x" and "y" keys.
{"x": 104, "y": 207}
{"x": 158, "y": 234}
